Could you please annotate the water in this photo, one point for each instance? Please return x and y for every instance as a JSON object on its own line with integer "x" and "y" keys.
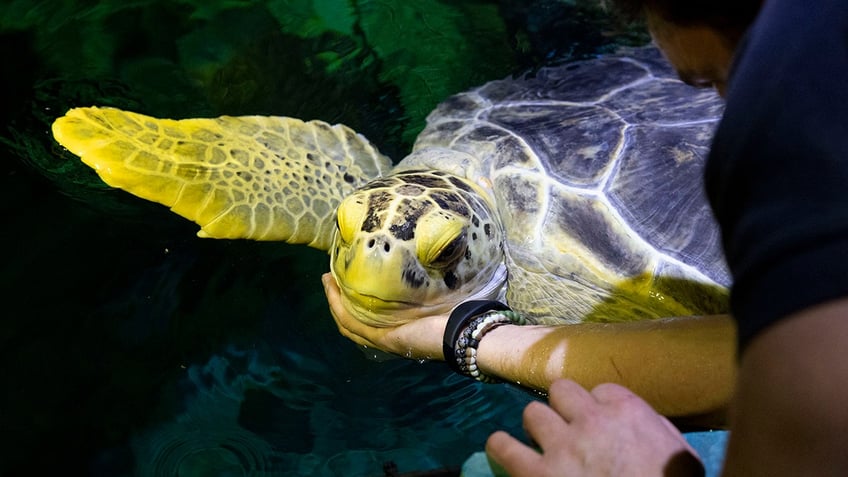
{"x": 131, "y": 347}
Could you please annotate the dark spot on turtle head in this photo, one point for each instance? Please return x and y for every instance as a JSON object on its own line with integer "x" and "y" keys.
{"x": 348, "y": 178}
{"x": 403, "y": 230}
{"x": 377, "y": 203}
{"x": 487, "y": 229}
{"x": 451, "y": 280}
{"x": 475, "y": 221}
{"x": 408, "y": 213}
{"x": 412, "y": 274}
{"x": 449, "y": 201}
{"x": 413, "y": 278}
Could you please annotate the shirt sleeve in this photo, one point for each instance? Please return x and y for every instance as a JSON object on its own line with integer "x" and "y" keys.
{"x": 777, "y": 176}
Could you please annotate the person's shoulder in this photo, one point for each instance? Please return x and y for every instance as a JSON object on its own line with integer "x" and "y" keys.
{"x": 791, "y": 40}
{"x": 777, "y": 167}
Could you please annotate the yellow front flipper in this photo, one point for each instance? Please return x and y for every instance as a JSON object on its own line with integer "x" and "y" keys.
{"x": 254, "y": 177}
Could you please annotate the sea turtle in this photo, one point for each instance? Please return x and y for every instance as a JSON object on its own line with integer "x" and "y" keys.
{"x": 573, "y": 193}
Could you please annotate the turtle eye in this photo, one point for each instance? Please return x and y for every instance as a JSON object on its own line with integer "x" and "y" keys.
{"x": 440, "y": 239}
{"x": 451, "y": 252}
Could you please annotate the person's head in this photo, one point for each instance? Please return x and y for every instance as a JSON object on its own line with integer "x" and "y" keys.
{"x": 698, "y": 37}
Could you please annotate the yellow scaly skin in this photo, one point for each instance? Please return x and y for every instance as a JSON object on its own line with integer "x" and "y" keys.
{"x": 280, "y": 178}
{"x": 253, "y": 177}
{"x": 416, "y": 243}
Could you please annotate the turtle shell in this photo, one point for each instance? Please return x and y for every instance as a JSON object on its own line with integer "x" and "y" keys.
{"x": 595, "y": 169}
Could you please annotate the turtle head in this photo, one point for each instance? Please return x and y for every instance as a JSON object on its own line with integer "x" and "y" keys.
{"x": 416, "y": 244}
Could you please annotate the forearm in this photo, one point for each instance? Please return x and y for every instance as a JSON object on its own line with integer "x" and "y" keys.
{"x": 681, "y": 366}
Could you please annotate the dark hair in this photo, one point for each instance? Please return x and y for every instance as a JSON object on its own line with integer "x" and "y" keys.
{"x": 730, "y": 17}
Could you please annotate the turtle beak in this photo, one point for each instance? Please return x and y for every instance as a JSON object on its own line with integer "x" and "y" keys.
{"x": 373, "y": 270}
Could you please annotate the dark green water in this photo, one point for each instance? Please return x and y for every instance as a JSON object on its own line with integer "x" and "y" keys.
{"x": 130, "y": 347}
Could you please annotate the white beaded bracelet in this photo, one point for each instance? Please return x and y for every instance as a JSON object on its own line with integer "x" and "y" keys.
{"x": 469, "y": 340}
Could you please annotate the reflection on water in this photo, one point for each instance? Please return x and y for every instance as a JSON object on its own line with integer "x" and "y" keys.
{"x": 130, "y": 347}
{"x": 241, "y": 412}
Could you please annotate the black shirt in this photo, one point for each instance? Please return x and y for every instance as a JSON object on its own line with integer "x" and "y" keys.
{"x": 777, "y": 176}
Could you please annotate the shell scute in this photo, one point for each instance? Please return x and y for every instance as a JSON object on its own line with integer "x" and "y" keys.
{"x": 595, "y": 170}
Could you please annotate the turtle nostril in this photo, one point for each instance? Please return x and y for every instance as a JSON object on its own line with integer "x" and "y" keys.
{"x": 379, "y": 242}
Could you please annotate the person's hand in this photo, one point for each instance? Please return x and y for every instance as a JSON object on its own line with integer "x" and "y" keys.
{"x": 607, "y": 432}
{"x": 418, "y": 339}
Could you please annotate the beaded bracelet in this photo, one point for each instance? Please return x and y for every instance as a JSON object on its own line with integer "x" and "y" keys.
{"x": 467, "y": 325}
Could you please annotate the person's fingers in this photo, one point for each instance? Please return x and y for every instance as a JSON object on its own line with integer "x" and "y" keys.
{"x": 569, "y": 399}
{"x": 674, "y": 431}
{"x": 630, "y": 403}
{"x": 347, "y": 325}
{"x": 331, "y": 289}
{"x": 334, "y": 299}
{"x": 513, "y": 455}
{"x": 351, "y": 335}
{"x": 543, "y": 425}
{"x": 611, "y": 392}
